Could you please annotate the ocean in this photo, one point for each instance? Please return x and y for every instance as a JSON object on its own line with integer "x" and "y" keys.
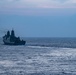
{"x": 40, "y": 56}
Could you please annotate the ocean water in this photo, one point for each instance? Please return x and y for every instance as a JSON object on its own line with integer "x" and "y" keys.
{"x": 40, "y": 56}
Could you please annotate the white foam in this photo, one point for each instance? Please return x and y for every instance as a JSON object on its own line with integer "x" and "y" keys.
{"x": 7, "y": 63}
{"x": 39, "y": 47}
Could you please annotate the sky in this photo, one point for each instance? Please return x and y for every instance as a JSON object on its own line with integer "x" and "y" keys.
{"x": 38, "y": 18}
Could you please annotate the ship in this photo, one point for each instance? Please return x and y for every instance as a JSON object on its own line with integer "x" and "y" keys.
{"x": 11, "y": 39}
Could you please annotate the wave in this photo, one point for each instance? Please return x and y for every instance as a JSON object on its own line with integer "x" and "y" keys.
{"x": 57, "y": 45}
{"x": 38, "y": 47}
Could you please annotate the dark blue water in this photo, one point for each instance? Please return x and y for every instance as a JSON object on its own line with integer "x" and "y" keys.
{"x": 52, "y": 42}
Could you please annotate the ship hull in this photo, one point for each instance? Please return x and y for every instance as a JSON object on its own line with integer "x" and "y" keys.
{"x": 15, "y": 43}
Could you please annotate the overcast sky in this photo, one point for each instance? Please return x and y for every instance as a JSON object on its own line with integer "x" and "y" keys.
{"x": 39, "y": 18}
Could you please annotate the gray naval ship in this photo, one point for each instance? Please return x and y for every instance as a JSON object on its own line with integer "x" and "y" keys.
{"x": 11, "y": 39}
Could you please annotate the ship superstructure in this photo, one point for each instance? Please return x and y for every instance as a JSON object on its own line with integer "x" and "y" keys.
{"x": 11, "y": 39}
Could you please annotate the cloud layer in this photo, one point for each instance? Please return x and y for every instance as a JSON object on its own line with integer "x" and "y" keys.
{"x": 36, "y": 6}
{"x": 39, "y": 3}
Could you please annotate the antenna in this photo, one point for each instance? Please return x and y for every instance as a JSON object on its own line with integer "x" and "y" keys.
{"x": 12, "y": 28}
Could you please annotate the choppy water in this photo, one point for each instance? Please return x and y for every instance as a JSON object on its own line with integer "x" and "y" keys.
{"x": 39, "y": 56}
